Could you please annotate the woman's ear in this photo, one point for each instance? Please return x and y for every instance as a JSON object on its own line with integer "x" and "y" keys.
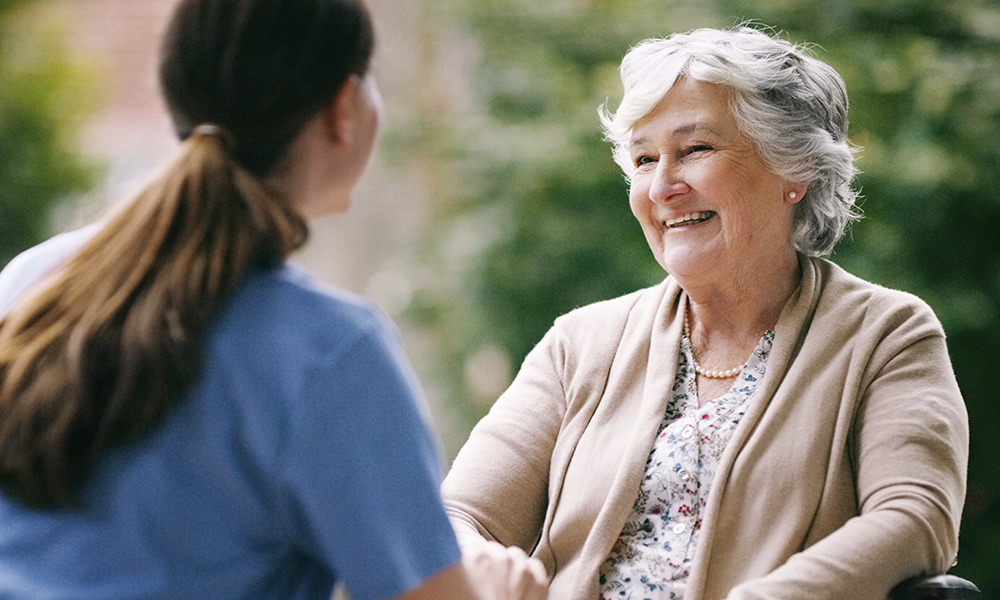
{"x": 340, "y": 113}
{"x": 795, "y": 191}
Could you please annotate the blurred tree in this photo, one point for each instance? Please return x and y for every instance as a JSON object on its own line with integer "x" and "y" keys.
{"x": 43, "y": 99}
{"x": 542, "y": 222}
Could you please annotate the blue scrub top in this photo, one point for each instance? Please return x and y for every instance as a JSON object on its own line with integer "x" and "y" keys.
{"x": 302, "y": 457}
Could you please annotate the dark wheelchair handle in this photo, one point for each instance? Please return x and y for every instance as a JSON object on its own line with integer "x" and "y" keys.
{"x": 936, "y": 587}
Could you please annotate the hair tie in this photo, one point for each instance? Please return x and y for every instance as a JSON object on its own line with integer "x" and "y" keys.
{"x": 216, "y": 131}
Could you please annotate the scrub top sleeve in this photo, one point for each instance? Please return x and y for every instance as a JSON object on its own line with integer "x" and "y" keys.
{"x": 364, "y": 471}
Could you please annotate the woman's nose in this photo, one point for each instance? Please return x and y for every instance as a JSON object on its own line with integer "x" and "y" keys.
{"x": 668, "y": 182}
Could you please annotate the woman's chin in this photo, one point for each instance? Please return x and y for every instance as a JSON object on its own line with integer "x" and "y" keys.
{"x": 694, "y": 262}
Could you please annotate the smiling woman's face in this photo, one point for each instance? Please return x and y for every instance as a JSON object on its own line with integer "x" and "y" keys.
{"x": 707, "y": 203}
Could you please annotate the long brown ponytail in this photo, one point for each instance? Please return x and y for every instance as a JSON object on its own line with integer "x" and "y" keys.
{"x": 97, "y": 353}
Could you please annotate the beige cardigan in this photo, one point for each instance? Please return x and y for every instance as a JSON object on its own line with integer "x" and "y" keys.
{"x": 845, "y": 476}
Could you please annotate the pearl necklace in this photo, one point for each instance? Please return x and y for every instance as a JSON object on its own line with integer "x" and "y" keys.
{"x": 709, "y": 373}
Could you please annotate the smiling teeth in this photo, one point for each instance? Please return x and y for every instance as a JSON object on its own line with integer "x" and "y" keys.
{"x": 689, "y": 218}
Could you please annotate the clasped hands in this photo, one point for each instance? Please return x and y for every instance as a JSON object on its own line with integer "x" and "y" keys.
{"x": 504, "y": 573}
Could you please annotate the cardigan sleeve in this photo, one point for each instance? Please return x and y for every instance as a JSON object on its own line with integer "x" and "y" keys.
{"x": 497, "y": 488}
{"x": 909, "y": 451}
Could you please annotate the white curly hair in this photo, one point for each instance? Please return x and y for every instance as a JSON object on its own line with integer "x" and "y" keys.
{"x": 792, "y": 106}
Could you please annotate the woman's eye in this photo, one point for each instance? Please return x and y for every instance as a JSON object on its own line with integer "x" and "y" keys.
{"x": 697, "y": 148}
{"x": 644, "y": 160}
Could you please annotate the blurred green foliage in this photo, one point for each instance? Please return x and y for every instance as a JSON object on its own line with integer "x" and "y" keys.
{"x": 43, "y": 100}
{"x": 542, "y": 223}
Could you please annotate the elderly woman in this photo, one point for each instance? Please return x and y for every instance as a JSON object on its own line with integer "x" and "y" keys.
{"x": 761, "y": 425}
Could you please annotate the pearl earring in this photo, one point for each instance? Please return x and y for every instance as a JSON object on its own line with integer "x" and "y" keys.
{"x": 793, "y": 195}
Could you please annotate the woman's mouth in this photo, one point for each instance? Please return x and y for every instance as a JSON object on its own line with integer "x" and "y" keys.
{"x": 689, "y": 219}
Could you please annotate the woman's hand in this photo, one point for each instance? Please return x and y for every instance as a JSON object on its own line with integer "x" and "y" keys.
{"x": 502, "y": 573}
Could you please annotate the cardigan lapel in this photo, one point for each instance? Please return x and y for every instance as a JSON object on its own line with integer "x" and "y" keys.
{"x": 655, "y": 332}
{"x": 792, "y": 322}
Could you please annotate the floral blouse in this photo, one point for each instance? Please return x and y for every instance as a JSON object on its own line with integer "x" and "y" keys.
{"x": 652, "y": 558}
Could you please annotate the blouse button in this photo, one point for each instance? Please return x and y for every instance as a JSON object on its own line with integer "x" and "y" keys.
{"x": 685, "y": 476}
{"x": 679, "y": 528}
{"x": 687, "y": 432}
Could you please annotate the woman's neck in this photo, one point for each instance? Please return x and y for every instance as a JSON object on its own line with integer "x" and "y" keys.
{"x": 738, "y": 309}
